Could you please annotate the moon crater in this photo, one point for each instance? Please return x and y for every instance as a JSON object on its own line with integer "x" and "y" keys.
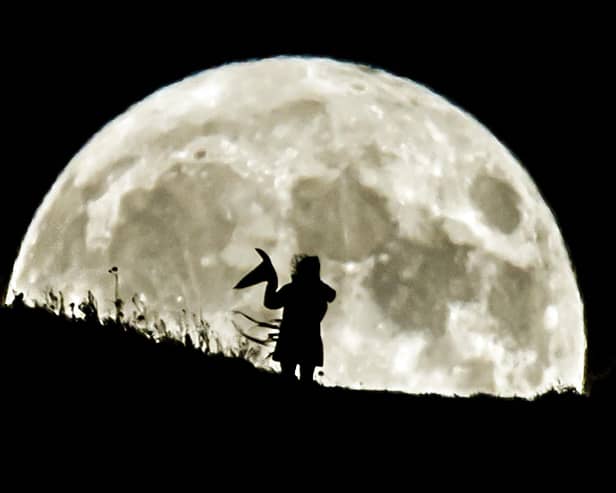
{"x": 342, "y": 219}
{"x": 498, "y": 202}
{"x": 426, "y": 279}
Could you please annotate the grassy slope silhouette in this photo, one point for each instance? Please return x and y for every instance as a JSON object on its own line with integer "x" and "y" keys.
{"x": 63, "y": 373}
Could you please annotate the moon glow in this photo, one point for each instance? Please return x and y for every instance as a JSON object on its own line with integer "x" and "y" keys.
{"x": 451, "y": 272}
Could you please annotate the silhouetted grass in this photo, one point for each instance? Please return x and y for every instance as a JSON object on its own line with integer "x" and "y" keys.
{"x": 63, "y": 371}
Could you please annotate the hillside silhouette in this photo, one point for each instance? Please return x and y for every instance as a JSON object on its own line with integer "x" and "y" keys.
{"x": 67, "y": 376}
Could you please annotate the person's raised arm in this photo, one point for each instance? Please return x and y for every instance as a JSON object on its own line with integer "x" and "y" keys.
{"x": 274, "y": 299}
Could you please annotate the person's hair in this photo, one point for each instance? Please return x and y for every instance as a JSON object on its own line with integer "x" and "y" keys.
{"x": 306, "y": 266}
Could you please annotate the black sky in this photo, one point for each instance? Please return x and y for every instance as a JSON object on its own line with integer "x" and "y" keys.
{"x": 540, "y": 85}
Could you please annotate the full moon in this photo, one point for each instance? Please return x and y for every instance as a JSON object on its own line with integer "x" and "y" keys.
{"x": 452, "y": 275}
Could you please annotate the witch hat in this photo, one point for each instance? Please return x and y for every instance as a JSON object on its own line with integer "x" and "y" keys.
{"x": 263, "y": 272}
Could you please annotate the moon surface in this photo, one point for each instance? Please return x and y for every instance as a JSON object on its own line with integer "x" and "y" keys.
{"x": 452, "y": 275}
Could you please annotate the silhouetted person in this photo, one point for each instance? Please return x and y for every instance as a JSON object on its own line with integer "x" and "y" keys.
{"x": 304, "y": 302}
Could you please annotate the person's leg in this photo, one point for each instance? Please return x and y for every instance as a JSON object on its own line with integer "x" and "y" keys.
{"x": 306, "y": 373}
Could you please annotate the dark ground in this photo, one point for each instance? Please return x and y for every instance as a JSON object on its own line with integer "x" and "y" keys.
{"x": 76, "y": 380}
